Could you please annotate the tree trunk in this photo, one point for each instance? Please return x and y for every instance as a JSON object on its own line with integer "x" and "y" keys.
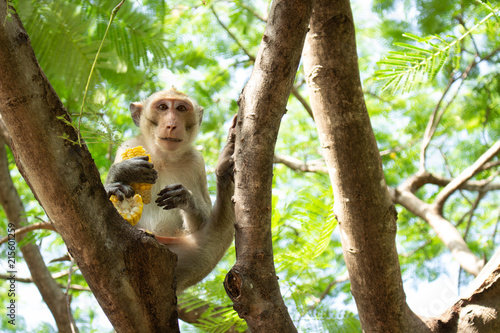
{"x": 366, "y": 215}
{"x": 252, "y": 283}
{"x": 364, "y": 210}
{"x": 129, "y": 273}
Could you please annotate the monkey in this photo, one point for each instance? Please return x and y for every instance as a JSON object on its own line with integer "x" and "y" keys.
{"x": 180, "y": 214}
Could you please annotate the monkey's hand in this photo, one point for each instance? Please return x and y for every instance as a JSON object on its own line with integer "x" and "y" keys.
{"x": 134, "y": 170}
{"x": 225, "y": 166}
{"x": 175, "y": 196}
{"x": 121, "y": 191}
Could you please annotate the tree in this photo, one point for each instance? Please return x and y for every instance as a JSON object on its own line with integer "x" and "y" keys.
{"x": 38, "y": 132}
{"x": 301, "y": 222}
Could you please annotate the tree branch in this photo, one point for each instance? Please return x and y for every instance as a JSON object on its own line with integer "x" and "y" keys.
{"x": 298, "y": 96}
{"x": 252, "y": 284}
{"x": 463, "y": 177}
{"x": 471, "y": 211}
{"x": 438, "y": 112}
{"x": 363, "y": 207}
{"x": 415, "y": 182}
{"x": 66, "y": 182}
{"x": 341, "y": 279}
{"x": 233, "y": 37}
{"x": 295, "y": 91}
{"x": 298, "y": 165}
{"x": 54, "y": 276}
{"x": 446, "y": 231}
{"x": 254, "y": 13}
{"x": 31, "y": 227}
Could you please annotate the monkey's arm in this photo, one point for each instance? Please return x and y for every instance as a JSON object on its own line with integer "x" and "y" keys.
{"x": 195, "y": 207}
{"x": 205, "y": 248}
{"x": 222, "y": 216}
{"x": 124, "y": 172}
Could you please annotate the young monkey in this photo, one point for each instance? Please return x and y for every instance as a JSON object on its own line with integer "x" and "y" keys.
{"x": 180, "y": 214}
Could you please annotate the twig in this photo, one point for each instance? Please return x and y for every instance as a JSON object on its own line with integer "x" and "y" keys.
{"x": 295, "y": 91}
{"x": 409, "y": 254}
{"x": 31, "y": 227}
{"x": 254, "y": 13}
{"x": 298, "y": 165}
{"x": 54, "y": 276}
{"x": 298, "y": 96}
{"x": 438, "y": 112}
{"x": 233, "y": 37}
{"x": 464, "y": 176}
{"x": 68, "y": 296}
{"x": 480, "y": 196}
{"x": 496, "y": 228}
{"x": 112, "y": 17}
{"x": 317, "y": 301}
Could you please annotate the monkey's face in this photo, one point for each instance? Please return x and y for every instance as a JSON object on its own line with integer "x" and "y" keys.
{"x": 169, "y": 120}
{"x": 171, "y": 123}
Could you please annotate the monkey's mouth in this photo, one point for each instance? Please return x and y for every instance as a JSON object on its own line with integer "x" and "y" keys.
{"x": 169, "y": 139}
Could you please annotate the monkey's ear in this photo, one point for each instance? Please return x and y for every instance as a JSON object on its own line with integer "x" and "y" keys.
{"x": 201, "y": 114}
{"x": 135, "y": 111}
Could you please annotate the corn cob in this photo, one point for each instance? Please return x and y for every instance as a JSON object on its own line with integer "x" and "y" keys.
{"x": 129, "y": 208}
{"x": 143, "y": 189}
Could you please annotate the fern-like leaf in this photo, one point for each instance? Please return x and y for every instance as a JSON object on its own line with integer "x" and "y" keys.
{"x": 404, "y": 69}
{"x": 325, "y": 235}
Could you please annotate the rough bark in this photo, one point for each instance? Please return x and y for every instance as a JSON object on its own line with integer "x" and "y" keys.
{"x": 478, "y": 312}
{"x": 252, "y": 282}
{"x": 364, "y": 209}
{"x": 129, "y": 273}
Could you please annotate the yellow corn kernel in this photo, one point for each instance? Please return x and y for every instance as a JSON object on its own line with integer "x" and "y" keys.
{"x": 129, "y": 208}
{"x": 143, "y": 189}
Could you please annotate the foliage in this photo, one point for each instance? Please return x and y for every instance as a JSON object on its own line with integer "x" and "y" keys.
{"x": 205, "y": 48}
{"x": 403, "y": 69}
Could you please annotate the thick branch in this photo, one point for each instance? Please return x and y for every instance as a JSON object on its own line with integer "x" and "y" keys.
{"x": 446, "y": 231}
{"x": 415, "y": 182}
{"x": 364, "y": 209}
{"x": 115, "y": 259}
{"x": 475, "y": 313}
{"x": 464, "y": 176}
{"x": 252, "y": 283}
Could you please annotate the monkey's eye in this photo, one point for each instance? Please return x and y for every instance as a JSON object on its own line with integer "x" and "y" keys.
{"x": 182, "y": 108}
{"x": 162, "y": 107}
